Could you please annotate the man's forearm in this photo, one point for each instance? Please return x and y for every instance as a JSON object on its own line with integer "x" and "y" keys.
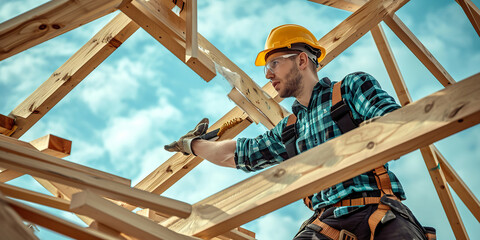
{"x": 221, "y": 153}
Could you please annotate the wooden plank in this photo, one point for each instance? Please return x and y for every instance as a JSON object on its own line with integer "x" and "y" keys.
{"x": 8, "y": 174}
{"x": 7, "y": 125}
{"x": 53, "y": 145}
{"x": 179, "y": 165}
{"x": 31, "y": 196}
{"x": 443, "y": 192}
{"x": 418, "y": 124}
{"x": 72, "y": 72}
{"x": 48, "y": 21}
{"x": 120, "y": 219}
{"x": 249, "y": 108}
{"x": 153, "y": 18}
{"x": 457, "y": 184}
{"x": 191, "y": 31}
{"x": 21, "y": 161}
{"x": 152, "y": 215}
{"x": 11, "y": 225}
{"x": 472, "y": 12}
{"x": 348, "y": 5}
{"x": 11, "y": 144}
{"x": 55, "y": 223}
{"x": 419, "y": 50}
{"x": 355, "y": 26}
{"x": 391, "y": 65}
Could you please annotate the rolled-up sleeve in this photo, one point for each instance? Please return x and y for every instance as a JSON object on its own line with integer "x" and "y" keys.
{"x": 366, "y": 95}
{"x": 253, "y": 154}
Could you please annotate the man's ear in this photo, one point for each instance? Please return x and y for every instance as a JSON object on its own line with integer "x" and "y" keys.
{"x": 303, "y": 61}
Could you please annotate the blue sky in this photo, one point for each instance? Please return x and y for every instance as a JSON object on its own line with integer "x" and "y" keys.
{"x": 142, "y": 97}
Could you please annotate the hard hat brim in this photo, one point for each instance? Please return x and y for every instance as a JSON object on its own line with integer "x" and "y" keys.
{"x": 260, "y": 60}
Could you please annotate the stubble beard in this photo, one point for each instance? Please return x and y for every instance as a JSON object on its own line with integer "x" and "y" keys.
{"x": 293, "y": 83}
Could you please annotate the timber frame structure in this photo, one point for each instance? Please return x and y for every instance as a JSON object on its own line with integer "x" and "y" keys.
{"x": 105, "y": 201}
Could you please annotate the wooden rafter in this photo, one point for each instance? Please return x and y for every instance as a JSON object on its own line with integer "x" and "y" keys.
{"x": 48, "y": 21}
{"x": 72, "y": 72}
{"x": 153, "y": 17}
{"x": 355, "y": 26}
{"x": 472, "y": 12}
{"x": 11, "y": 224}
{"x": 418, "y": 124}
{"x": 55, "y": 223}
{"x": 35, "y": 197}
{"x": 120, "y": 219}
{"x": 428, "y": 153}
{"x": 24, "y": 160}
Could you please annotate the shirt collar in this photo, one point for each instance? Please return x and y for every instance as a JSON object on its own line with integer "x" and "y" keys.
{"x": 322, "y": 83}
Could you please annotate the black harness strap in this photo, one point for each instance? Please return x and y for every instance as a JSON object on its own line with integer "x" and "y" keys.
{"x": 289, "y": 136}
{"x": 340, "y": 111}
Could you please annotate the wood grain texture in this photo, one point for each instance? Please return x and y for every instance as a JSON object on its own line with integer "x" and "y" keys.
{"x": 391, "y": 65}
{"x": 443, "y": 192}
{"x": 21, "y": 159}
{"x": 53, "y": 145}
{"x": 155, "y": 19}
{"x": 120, "y": 219}
{"x": 402, "y": 131}
{"x": 11, "y": 224}
{"x": 458, "y": 185}
{"x": 55, "y": 223}
{"x": 72, "y": 72}
{"x": 472, "y": 12}
{"x": 6, "y": 125}
{"x": 348, "y": 5}
{"x": 419, "y": 50}
{"x": 48, "y": 21}
{"x": 355, "y": 26}
{"x": 31, "y": 196}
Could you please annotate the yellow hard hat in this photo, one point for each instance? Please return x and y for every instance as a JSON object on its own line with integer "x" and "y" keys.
{"x": 284, "y": 36}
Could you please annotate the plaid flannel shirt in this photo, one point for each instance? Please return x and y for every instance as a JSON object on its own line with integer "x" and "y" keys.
{"x": 314, "y": 126}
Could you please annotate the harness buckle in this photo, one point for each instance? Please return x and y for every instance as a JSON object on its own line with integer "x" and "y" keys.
{"x": 346, "y": 235}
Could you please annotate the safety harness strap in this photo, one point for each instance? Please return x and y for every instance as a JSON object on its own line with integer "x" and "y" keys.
{"x": 340, "y": 111}
{"x": 289, "y": 136}
{"x": 376, "y": 217}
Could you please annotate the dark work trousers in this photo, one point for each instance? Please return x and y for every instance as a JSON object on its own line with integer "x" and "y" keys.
{"x": 402, "y": 226}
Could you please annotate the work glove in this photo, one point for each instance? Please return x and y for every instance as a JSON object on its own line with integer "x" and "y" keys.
{"x": 184, "y": 144}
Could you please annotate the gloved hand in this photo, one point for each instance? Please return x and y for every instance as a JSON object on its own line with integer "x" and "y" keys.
{"x": 184, "y": 144}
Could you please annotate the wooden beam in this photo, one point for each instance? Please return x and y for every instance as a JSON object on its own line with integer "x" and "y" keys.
{"x": 191, "y": 31}
{"x": 443, "y": 192}
{"x": 179, "y": 165}
{"x": 418, "y": 124}
{"x": 457, "y": 184}
{"x": 391, "y": 65}
{"x": 472, "y": 12}
{"x": 21, "y": 160}
{"x": 355, "y": 26}
{"x": 48, "y": 21}
{"x": 72, "y": 72}
{"x": 31, "y": 196}
{"x": 53, "y": 145}
{"x": 56, "y": 224}
{"x": 257, "y": 116}
{"x": 11, "y": 225}
{"x": 7, "y": 125}
{"x": 348, "y": 5}
{"x": 152, "y": 215}
{"x": 419, "y": 50}
{"x": 120, "y": 219}
{"x": 153, "y": 17}
{"x": 13, "y": 145}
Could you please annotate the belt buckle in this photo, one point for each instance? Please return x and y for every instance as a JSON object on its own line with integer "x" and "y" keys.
{"x": 346, "y": 235}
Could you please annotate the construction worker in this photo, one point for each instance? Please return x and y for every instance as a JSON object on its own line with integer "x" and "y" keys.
{"x": 363, "y": 207}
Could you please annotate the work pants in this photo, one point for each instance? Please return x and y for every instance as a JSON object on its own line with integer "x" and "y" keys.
{"x": 403, "y": 226}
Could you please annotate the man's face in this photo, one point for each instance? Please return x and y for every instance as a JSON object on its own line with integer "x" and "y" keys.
{"x": 283, "y": 72}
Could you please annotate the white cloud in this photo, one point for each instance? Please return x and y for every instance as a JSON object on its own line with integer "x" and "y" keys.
{"x": 212, "y": 101}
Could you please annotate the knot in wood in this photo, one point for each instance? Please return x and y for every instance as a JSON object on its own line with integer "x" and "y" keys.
{"x": 370, "y": 145}
{"x": 280, "y": 172}
{"x": 428, "y": 107}
{"x": 56, "y": 26}
{"x": 42, "y": 26}
{"x": 455, "y": 111}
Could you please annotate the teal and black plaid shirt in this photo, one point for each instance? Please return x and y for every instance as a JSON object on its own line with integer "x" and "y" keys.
{"x": 314, "y": 126}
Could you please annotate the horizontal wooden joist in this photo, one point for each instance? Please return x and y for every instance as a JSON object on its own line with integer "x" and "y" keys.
{"x": 35, "y": 197}
{"x": 418, "y": 124}
{"x": 48, "y": 21}
{"x": 72, "y": 72}
{"x": 25, "y": 160}
{"x": 89, "y": 204}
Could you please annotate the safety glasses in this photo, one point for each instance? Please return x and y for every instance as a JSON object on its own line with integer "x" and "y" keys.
{"x": 274, "y": 63}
